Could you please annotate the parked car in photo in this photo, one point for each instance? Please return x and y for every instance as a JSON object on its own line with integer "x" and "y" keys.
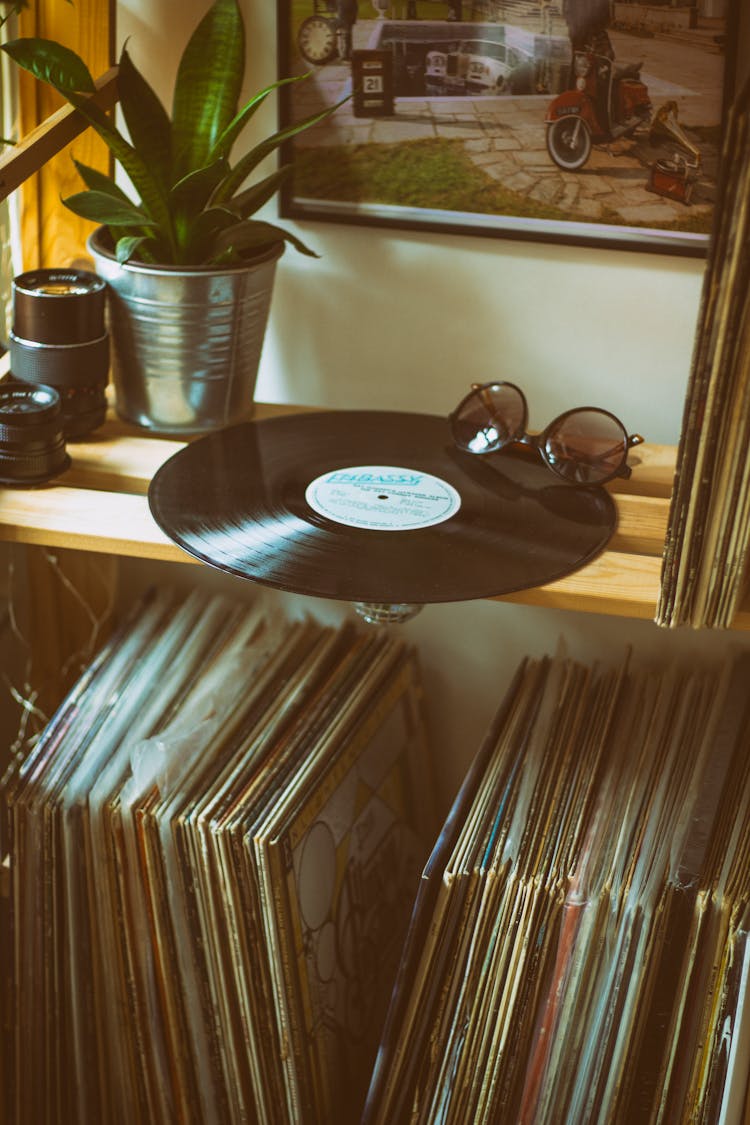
{"x": 487, "y": 66}
{"x": 472, "y": 66}
{"x": 441, "y": 74}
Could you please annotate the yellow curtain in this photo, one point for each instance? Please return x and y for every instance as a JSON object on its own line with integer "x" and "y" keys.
{"x": 50, "y": 234}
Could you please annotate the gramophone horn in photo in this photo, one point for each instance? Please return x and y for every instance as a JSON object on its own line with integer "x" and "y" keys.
{"x": 59, "y": 339}
{"x": 675, "y": 175}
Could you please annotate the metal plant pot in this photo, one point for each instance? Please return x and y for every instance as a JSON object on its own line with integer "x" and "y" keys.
{"x": 186, "y": 341}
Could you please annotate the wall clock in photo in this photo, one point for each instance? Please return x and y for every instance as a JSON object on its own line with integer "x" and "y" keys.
{"x": 316, "y": 39}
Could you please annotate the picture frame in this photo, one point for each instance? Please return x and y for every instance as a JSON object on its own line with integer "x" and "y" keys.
{"x": 586, "y": 122}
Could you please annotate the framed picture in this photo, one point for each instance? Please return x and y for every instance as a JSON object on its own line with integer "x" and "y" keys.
{"x": 577, "y": 121}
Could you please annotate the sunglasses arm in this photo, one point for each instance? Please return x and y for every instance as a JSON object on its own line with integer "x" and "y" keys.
{"x": 633, "y": 440}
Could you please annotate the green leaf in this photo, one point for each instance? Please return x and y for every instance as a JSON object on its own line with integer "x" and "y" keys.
{"x": 51, "y": 62}
{"x": 100, "y": 207}
{"x": 189, "y": 203}
{"x": 252, "y": 159}
{"x": 146, "y": 119}
{"x": 152, "y": 197}
{"x": 225, "y": 142}
{"x": 208, "y": 84}
{"x": 38, "y": 56}
{"x": 212, "y": 220}
{"x": 188, "y": 199}
{"x": 97, "y": 181}
{"x": 193, "y": 191}
{"x": 253, "y": 235}
{"x": 202, "y": 232}
{"x": 126, "y": 247}
{"x": 253, "y": 198}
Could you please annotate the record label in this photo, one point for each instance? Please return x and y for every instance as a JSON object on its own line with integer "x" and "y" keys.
{"x": 382, "y": 498}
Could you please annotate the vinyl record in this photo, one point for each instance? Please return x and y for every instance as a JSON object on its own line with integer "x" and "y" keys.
{"x": 374, "y": 506}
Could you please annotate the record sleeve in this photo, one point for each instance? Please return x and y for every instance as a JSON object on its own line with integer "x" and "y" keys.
{"x": 375, "y": 506}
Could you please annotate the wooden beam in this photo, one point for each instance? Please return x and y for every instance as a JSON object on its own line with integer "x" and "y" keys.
{"x": 46, "y": 140}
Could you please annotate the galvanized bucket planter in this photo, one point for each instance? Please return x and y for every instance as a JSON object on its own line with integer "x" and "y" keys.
{"x": 185, "y": 341}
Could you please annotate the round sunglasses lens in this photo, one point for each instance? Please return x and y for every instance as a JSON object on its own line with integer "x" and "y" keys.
{"x": 489, "y": 418}
{"x": 587, "y": 446}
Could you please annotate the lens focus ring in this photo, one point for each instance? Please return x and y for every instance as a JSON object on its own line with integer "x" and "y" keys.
{"x": 43, "y": 431}
{"x": 60, "y": 365}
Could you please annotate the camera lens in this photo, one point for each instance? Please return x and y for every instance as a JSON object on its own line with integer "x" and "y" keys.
{"x": 32, "y": 442}
{"x": 59, "y": 339}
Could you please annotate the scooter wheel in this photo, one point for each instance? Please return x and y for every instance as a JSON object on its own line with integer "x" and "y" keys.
{"x": 569, "y": 142}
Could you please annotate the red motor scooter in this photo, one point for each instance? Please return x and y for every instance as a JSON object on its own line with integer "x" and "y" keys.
{"x": 606, "y": 103}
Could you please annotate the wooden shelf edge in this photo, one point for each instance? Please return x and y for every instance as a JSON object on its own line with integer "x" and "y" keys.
{"x": 106, "y": 522}
{"x": 617, "y": 584}
{"x": 121, "y": 523}
{"x": 48, "y": 138}
{"x": 100, "y": 505}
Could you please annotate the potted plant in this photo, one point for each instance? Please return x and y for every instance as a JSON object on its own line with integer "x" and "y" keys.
{"x": 190, "y": 270}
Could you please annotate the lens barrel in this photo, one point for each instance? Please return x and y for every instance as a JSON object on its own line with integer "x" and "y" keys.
{"x": 32, "y": 441}
{"x": 59, "y": 340}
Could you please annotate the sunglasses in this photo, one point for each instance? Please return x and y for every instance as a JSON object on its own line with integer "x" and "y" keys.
{"x": 583, "y": 446}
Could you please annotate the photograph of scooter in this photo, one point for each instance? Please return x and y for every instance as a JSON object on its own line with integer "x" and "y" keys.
{"x": 578, "y": 121}
{"x": 609, "y": 101}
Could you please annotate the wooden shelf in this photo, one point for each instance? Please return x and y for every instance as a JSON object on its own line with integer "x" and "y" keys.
{"x": 100, "y": 504}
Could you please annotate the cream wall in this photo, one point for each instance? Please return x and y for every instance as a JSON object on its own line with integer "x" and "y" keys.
{"x": 405, "y": 321}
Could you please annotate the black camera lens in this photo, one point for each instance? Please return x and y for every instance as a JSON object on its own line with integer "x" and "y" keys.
{"x": 32, "y": 441}
{"x": 59, "y": 339}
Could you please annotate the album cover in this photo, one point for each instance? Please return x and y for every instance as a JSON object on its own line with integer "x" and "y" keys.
{"x": 704, "y": 563}
{"x": 349, "y": 858}
{"x": 198, "y": 906}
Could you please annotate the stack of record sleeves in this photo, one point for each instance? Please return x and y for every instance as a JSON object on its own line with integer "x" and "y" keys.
{"x": 704, "y": 579}
{"x": 214, "y": 849}
{"x": 578, "y": 951}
